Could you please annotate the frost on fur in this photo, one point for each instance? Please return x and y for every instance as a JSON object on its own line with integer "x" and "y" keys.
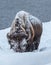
{"x": 25, "y": 27}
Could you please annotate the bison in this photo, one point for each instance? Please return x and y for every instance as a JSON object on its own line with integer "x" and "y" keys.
{"x": 25, "y": 32}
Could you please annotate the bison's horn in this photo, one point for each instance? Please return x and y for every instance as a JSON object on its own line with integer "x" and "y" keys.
{"x": 31, "y": 32}
{"x": 23, "y": 29}
{"x": 29, "y": 36}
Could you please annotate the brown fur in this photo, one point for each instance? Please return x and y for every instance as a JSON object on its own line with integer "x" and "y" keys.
{"x": 31, "y": 26}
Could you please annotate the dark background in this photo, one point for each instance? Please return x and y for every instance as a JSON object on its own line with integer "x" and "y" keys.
{"x": 9, "y": 8}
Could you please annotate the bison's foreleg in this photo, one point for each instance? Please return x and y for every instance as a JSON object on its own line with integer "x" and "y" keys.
{"x": 36, "y": 42}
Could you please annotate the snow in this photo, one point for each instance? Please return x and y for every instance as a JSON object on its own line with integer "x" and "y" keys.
{"x": 40, "y": 57}
{"x": 48, "y": 64}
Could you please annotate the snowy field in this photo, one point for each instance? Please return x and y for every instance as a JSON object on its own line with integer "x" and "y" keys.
{"x": 40, "y": 57}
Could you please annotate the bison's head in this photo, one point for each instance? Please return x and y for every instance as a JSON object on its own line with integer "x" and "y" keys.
{"x": 17, "y": 43}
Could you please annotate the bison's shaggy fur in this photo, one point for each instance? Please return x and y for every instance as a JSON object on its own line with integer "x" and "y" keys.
{"x": 30, "y": 26}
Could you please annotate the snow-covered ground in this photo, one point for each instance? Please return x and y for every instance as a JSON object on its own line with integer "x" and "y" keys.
{"x": 40, "y": 57}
